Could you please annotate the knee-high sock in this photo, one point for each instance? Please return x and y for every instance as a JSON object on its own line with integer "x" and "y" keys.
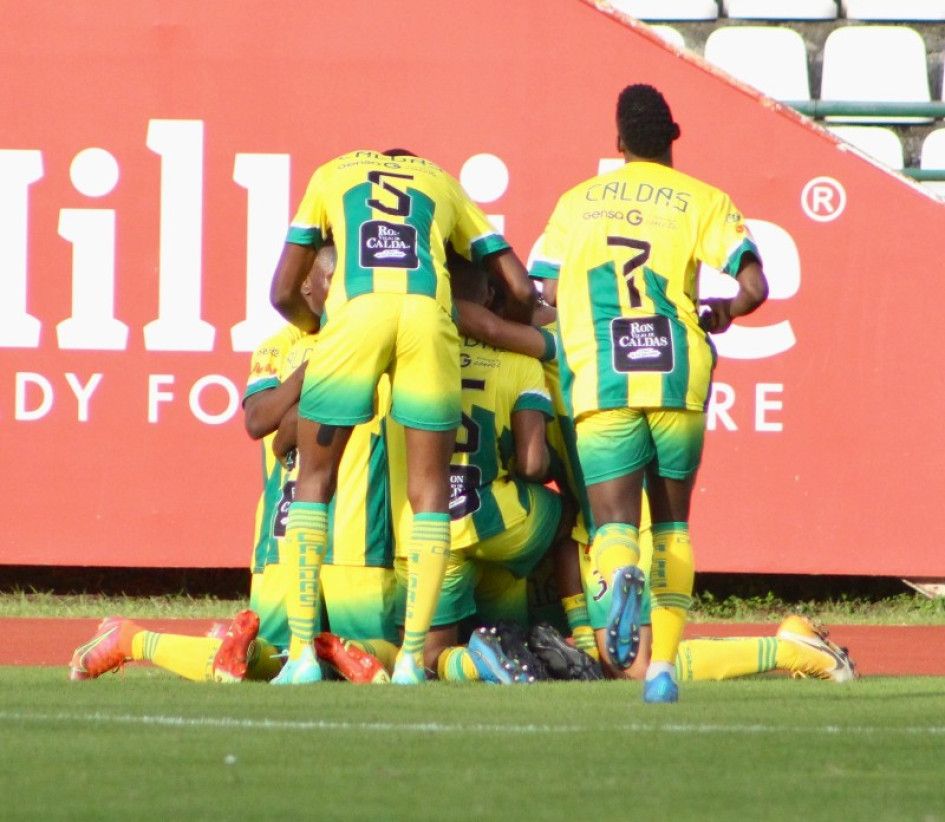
{"x": 575, "y": 610}
{"x": 456, "y": 665}
{"x": 263, "y": 662}
{"x": 728, "y": 658}
{"x": 671, "y": 578}
{"x": 303, "y": 549}
{"x": 615, "y": 545}
{"x": 188, "y": 656}
{"x": 426, "y": 563}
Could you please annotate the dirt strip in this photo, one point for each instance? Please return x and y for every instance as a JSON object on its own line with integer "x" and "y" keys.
{"x": 878, "y": 650}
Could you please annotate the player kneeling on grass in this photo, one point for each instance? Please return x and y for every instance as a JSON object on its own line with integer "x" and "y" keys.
{"x": 501, "y": 514}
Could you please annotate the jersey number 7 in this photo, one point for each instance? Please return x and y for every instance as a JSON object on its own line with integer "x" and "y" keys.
{"x": 633, "y": 263}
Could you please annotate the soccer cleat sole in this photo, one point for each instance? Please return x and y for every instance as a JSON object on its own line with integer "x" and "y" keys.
{"x": 623, "y": 621}
{"x": 231, "y": 660}
{"x": 491, "y": 661}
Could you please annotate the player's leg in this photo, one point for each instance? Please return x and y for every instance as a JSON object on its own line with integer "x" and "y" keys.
{"x": 614, "y": 446}
{"x": 678, "y": 438}
{"x": 425, "y": 399}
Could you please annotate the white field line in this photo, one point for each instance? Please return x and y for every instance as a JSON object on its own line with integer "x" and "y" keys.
{"x": 228, "y": 723}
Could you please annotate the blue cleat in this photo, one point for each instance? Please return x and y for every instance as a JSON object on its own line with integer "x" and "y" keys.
{"x": 490, "y": 660}
{"x": 662, "y": 688}
{"x": 623, "y": 621}
{"x": 407, "y": 671}
{"x": 301, "y": 671}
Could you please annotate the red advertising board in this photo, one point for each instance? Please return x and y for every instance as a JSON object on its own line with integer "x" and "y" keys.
{"x": 151, "y": 155}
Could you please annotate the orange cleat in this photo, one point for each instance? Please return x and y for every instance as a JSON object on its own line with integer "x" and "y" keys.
{"x": 230, "y": 662}
{"x": 353, "y": 663}
{"x": 104, "y": 652}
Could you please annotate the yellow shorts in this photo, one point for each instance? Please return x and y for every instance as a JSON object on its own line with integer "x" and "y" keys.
{"x": 619, "y": 441}
{"x": 408, "y": 336}
{"x": 359, "y": 601}
{"x": 267, "y": 597}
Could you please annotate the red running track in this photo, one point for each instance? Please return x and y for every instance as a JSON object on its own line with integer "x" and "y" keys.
{"x": 877, "y": 650}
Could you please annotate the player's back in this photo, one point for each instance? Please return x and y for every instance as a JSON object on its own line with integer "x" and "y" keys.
{"x": 390, "y": 217}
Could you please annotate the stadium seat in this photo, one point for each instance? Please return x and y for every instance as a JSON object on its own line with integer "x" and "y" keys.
{"x": 875, "y": 64}
{"x": 670, "y": 35}
{"x": 933, "y": 156}
{"x": 894, "y": 9}
{"x": 880, "y": 143}
{"x": 780, "y": 9}
{"x": 663, "y": 10}
{"x": 773, "y": 59}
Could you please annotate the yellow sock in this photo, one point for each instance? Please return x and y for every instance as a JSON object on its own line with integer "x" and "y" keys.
{"x": 456, "y": 665}
{"x": 263, "y": 661}
{"x": 385, "y": 651}
{"x": 426, "y": 563}
{"x": 575, "y": 610}
{"x": 188, "y": 656}
{"x": 671, "y": 578}
{"x": 615, "y": 545}
{"x": 717, "y": 659}
{"x": 303, "y": 549}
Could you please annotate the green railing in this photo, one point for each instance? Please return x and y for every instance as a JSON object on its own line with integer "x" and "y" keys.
{"x": 859, "y": 108}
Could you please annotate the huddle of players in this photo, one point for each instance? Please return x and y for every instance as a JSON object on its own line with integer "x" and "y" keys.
{"x": 405, "y": 465}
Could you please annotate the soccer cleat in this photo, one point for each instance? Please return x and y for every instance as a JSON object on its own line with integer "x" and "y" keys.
{"x": 662, "y": 688}
{"x": 490, "y": 660}
{"x": 407, "y": 671}
{"x": 837, "y": 663}
{"x": 512, "y": 639}
{"x": 561, "y": 660}
{"x": 230, "y": 662}
{"x": 303, "y": 670}
{"x": 353, "y": 663}
{"x": 102, "y": 653}
{"x": 623, "y": 621}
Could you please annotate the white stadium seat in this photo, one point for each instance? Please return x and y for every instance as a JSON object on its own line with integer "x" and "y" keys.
{"x": 875, "y": 64}
{"x": 880, "y": 143}
{"x": 773, "y": 59}
{"x": 668, "y": 9}
{"x": 894, "y": 9}
{"x": 780, "y": 9}
{"x": 670, "y": 35}
{"x": 933, "y": 156}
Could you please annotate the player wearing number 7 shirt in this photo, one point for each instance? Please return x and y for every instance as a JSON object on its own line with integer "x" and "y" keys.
{"x": 388, "y": 310}
{"x": 636, "y": 361}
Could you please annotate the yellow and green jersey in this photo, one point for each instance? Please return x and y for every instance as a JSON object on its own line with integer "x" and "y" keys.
{"x": 485, "y": 498}
{"x": 625, "y": 248}
{"x": 265, "y": 369}
{"x": 390, "y": 218}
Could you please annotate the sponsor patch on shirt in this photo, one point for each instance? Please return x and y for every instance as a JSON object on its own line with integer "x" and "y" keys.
{"x": 388, "y": 245}
{"x": 641, "y": 344}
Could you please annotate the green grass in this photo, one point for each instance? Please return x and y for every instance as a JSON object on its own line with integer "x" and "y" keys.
{"x": 903, "y": 609}
{"x": 146, "y": 745}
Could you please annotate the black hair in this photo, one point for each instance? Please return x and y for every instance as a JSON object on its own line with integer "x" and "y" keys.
{"x": 644, "y": 121}
{"x": 398, "y": 152}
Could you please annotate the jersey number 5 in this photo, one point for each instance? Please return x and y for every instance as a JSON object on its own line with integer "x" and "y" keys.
{"x": 401, "y": 208}
{"x": 633, "y": 263}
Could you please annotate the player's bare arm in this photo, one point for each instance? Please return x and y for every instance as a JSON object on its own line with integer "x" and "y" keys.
{"x": 286, "y": 437}
{"x": 523, "y": 296}
{"x": 263, "y": 412}
{"x": 752, "y": 292}
{"x": 532, "y": 459}
{"x": 479, "y": 323}
{"x": 294, "y": 265}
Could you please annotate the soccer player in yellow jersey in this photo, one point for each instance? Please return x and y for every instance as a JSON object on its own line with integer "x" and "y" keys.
{"x": 388, "y": 308}
{"x": 503, "y": 518}
{"x": 636, "y": 361}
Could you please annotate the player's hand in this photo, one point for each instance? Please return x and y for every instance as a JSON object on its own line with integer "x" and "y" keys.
{"x": 715, "y": 315}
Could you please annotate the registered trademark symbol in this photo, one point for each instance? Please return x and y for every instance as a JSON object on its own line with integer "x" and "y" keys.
{"x": 823, "y": 199}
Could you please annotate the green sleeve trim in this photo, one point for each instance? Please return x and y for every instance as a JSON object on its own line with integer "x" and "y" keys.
{"x": 534, "y": 401}
{"x": 551, "y": 345}
{"x": 259, "y": 385}
{"x": 734, "y": 262}
{"x": 544, "y": 270}
{"x": 487, "y": 244}
{"x": 309, "y": 236}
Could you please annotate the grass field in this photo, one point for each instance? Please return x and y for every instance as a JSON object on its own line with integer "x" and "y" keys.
{"x": 147, "y": 745}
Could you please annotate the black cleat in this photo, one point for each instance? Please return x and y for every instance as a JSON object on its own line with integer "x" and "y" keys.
{"x": 561, "y": 660}
{"x": 512, "y": 639}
